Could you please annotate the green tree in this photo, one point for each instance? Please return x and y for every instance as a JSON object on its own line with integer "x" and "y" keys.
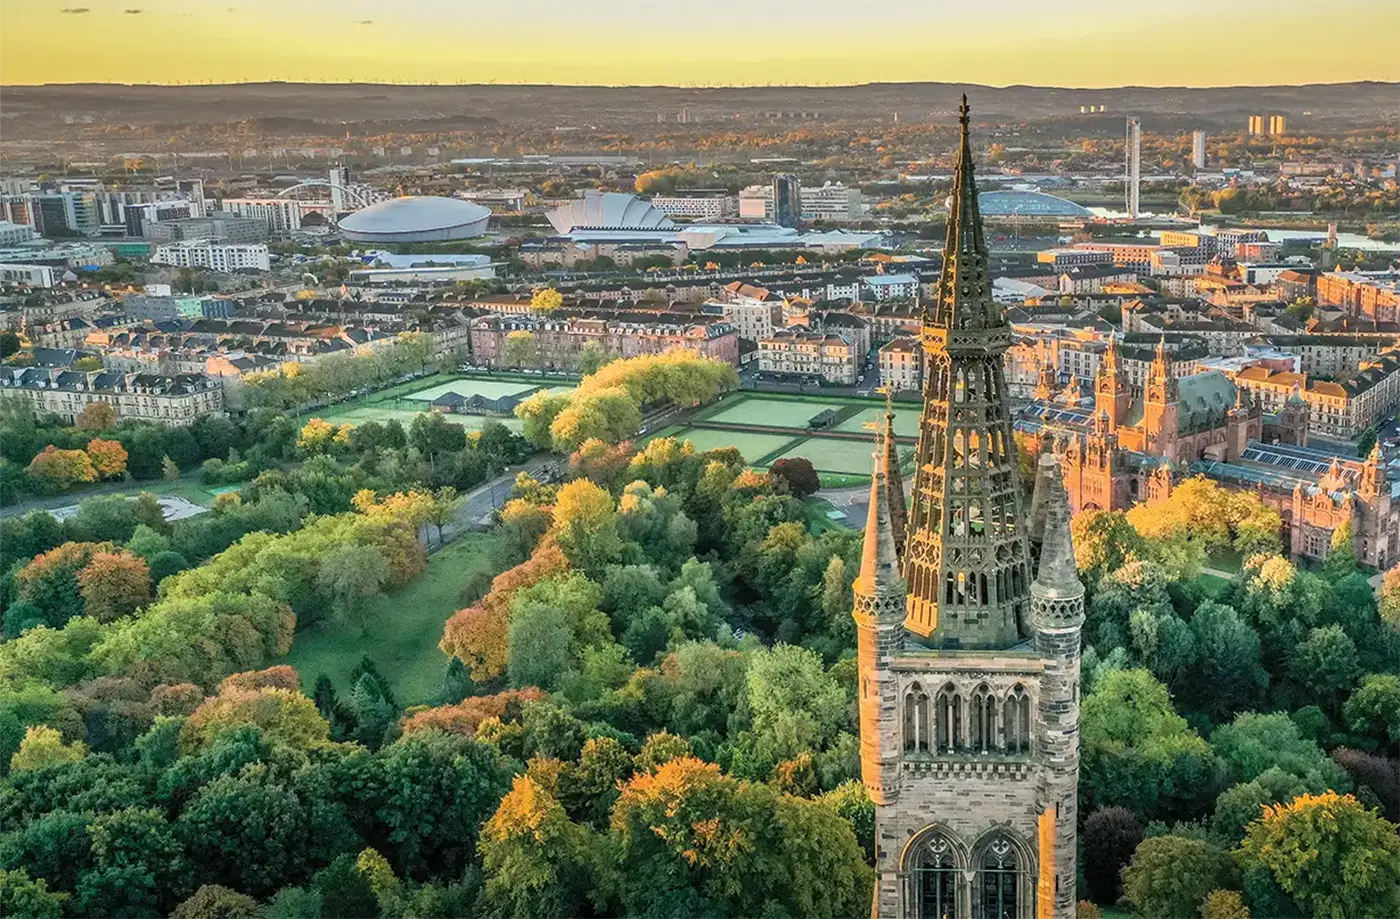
{"x": 1374, "y": 709}
{"x": 214, "y": 902}
{"x": 43, "y": 747}
{"x": 1224, "y": 904}
{"x": 1111, "y": 835}
{"x": 1254, "y": 743}
{"x": 1341, "y": 556}
{"x": 1330, "y": 854}
{"x": 521, "y": 349}
{"x": 350, "y": 575}
{"x": 535, "y": 859}
{"x": 1324, "y": 667}
{"x": 1104, "y": 542}
{"x": 21, "y": 895}
{"x": 1170, "y": 876}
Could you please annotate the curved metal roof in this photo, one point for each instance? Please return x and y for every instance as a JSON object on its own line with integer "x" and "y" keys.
{"x": 416, "y": 214}
{"x": 608, "y": 211}
{"x": 1027, "y": 204}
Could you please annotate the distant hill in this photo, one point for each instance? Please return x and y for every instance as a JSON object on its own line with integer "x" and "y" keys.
{"x": 1329, "y": 105}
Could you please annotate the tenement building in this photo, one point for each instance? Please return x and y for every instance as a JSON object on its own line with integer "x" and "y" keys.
{"x": 968, "y": 620}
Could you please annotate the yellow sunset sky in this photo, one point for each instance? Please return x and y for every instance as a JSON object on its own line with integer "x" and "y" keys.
{"x": 719, "y": 42}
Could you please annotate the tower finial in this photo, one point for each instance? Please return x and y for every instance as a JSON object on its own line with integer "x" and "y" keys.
{"x": 1057, "y": 575}
{"x": 879, "y": 560}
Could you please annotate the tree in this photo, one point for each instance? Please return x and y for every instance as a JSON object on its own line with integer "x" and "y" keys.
{"x": 1224, "y": 904}
{"x": 169, "y": 471}
{"x": 537, "y": 415}
{"x": 797, "y": 473}
{"x": 316, "y": 437}
{"x": 1137, "y": 751}
{"x": 1254, "y": 743}
{"x": 609, "y": 414}
{"x": 114, "y": 584}
{"x": 1341, "y": 556}
{"x": 592, "y": 357}
{"x": 521, "y": 349}
{"x": 1390, "y": 597}
{"x": 350, "y": 575}
{"x": 56, "y": 469}
{"x": 1228, "y": 675}
{"x": 546, "y": 300}
{"x": 108, "y": 458}
{"x": 1111, "y": 835}
{"x": 1365, "y": 441}
{"x": 796, "y": 705}
{"x": 21, "y": 895}
{"x": 1104, "y": 542}
{"x": 1330, "y": 854}
{"x": 534, "y": 857}
{"x": 1324, "y": 667}
{"x": 280, "y": 714}
{"x": 1170, "y": 876}
{"x": 585, "y": 524}
{"x": 43, "y": 747}
{"x": 96, "y": 416}
{"x": 214, "y": 902}
{"x": 438, "y": 789}
{"x": 138, "y": 864}
{"x": 1374, "y": 708}
{"x": 9, "y": 344}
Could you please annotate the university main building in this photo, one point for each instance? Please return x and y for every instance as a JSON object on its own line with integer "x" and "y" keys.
{"x": 968, "y": 611}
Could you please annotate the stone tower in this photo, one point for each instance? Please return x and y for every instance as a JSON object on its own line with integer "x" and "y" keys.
{"x": 967, "y": 561}
{"x": 969, "y": 668}
{"x": 1111, "y": 393}
{"x": 1160, "y": 405}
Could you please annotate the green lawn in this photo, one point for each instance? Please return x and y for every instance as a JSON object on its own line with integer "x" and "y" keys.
{"x": 1225, "y": 559}
{"x": 754, "y": 447}
{"x": 491, "y": 389}
{"x": 839, "y": 456}
{"x": 772, "y": 412}
{"x": 403, "y": 628}
{"x": 906, "y": 421}
{"x": 1212, "y": 586}
{"x": 404, "y": 413}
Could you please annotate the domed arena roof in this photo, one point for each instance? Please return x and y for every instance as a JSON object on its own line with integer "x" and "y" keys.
{"x": 612, "y": 210}
{"x": 416, "y": 218}
{"x": 1027, "y": 204}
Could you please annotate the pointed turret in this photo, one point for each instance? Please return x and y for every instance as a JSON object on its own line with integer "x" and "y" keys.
{"x": 1056, "y": 576}
{"x": 1373, "y": 474}
{"x": 1040, "y": 494}
{"x": 879, "y": 560}
{"x": 894, "y": 479}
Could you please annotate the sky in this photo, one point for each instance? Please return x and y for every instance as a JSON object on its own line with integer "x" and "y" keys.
{"x": 1089, "y": 43}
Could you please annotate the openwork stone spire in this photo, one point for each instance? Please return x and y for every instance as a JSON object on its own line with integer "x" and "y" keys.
{"x": 894, "y": 480}
{"x": 966, "y": 561}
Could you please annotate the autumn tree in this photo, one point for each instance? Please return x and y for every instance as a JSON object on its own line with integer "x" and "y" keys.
{"x": 1330, "y": 854}
{"x": 114, "y": 584}
{"x": 96, "y": 416}
{"x": 56, "y": 470}
{"x": 585, "y": 524}
{"x": 546, "y": 300}
{"x": 535, "y": 859}
{"x": 43, "y": 747}
{"x": 521, "y": 349}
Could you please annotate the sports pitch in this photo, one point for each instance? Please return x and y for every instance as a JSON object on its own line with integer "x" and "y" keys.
{"x": 490, "y": 389}
{"x": 906, "y": 421}
{"x": 387, "y": 411}
{"x": 754, "y": 447}
{"x": 781, "y": 413}
{"x": 850, "y": 457}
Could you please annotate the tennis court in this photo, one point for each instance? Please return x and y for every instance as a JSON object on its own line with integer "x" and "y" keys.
{"x": 490, "y": 389}
{"x": 753, "y": 446}
{"x": 772, "y": 412}
{"x": 906, "y": 421}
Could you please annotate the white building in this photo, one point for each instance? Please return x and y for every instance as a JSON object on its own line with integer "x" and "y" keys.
{"x": 204, "y": 254}
{"x": 902, "y": 365}
{"x": 12, "y": 234}
{"x": 709, "y": 207}
{"x": 832, "y": 202}
{"x": 282, "y": 215}
{"x": 889, "y": 286}
{"x": 32, "y": 275}
{"x": 756, "y": 202}
{"x": 1198, "y": 149}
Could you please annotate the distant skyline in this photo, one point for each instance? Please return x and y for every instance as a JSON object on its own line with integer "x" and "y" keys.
{"x": 1073, "y": 43}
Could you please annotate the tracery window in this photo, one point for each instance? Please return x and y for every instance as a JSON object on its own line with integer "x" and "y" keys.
{"x": 936, "y": 872}
{"x": 998, "y": 876}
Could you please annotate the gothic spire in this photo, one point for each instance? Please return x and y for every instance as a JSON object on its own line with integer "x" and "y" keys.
{"x": 1057, "y": 575}
{"x": 894, "y": 479}
{"x": 964, "y": 287}
{"x": 1040, "y": 493}
{"x": 879, "y": 562}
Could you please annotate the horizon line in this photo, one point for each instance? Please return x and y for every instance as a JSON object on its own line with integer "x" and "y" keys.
{"x": 693, "y": 86}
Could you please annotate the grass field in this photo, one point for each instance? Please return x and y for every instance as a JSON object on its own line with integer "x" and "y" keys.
{"x": 403, "y": 628}
{"x": 772, "y": 412}
{"x": 754, "y": 447}
{"x": 491, "y": 389}
{"x": 839, "y": 456}
{"x": 404, "y": 413}
{"x": 906, "y": 421}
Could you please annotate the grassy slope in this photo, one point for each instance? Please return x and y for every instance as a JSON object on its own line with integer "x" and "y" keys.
{"x": 404, "y": 628}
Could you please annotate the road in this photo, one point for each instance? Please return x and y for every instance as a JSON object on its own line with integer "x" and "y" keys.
{"x": 474, "y": 513}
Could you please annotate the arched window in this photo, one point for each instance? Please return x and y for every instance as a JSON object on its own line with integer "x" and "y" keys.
{"x": 982, "y": 721}
{"x": 1016, "y": 720}
{"x": 936, "y": 872}
{"x": 948, "y": 728}
{"x": 916, "y": 720}
{"x": 996, "y": 895}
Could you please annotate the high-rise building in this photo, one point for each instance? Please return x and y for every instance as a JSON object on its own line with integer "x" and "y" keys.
{"x": 339, "y": 179}
{"x": 968, "y": 653}
{"x": 1132, "y": 166}
{"x": 1278, "y": 125}
{"x": 787, "y": 200}
{"x": 67, "y": 213}
{"x": 1256, "y": 125}
{"x": 1198, "y": 149}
